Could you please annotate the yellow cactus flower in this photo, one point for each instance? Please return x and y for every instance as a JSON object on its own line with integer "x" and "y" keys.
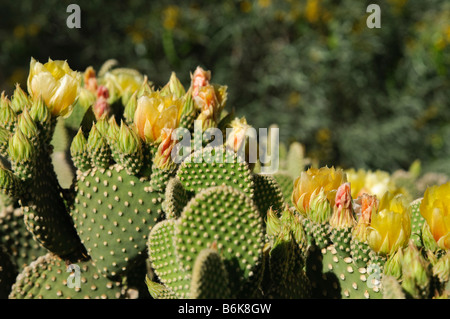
{"x": 154, "y": 113}
{"x": 122, "y": 82}
{"x": 390, "y": 226}
{"x": 313, "y": 180}
{"x": 435, "y": 208}
{"x": 371, "y": 182}
{"x": 56, "y": 83}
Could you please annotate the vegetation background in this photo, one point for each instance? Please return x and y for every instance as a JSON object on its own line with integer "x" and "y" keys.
{"x": 354, "y": 97}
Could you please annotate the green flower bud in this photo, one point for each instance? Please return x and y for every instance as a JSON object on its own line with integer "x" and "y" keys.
{"x": 113, "y": 130}
{"x": 95, "y": 139}
{"x": 393, "y": 266}
{"x": 320, "y": 208}
{"x": 7, "y": 116}
{"x": 441, "y": 269}
{"x": 174, "y": 87}
{"x": 20, "y": 100}
{"x": 273, "y": 223}
{"x": 416, "y": 273}
{"x": 79, "y": 144}
{"x": 130, "y": 108}
{"x": 102, "y": 126}
{"x": 128, "y": 140}
{"x": 4, "y": 101}
{"x": 20, "y": 148}
{"x": 78, "y": 151}
{"x": 26, "y": 124}
{"x": 39, "y": 111}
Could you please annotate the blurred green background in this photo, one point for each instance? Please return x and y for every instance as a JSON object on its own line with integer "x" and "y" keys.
{"x": 353, "y": 96}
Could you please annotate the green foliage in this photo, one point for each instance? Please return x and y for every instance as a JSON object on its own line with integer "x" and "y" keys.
{"x": 354, "y": 96}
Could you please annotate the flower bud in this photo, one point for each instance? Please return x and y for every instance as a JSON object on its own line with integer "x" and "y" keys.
{"x": 39, "y": 112}
{"x": 343, "y": 211}
{"x": 20, "y": 100}
{"x": 90, "y": 80}
{"x": 101, "y": 107}
{"x": 174, "y": 87}
{"x": 365, "y": 206}
{"x": 273, "y": 223}
{"x": 26, "y": 124}
{"x": 128, "y": 141}
{"x": 199, "y": 79}
{"x": 7, "y": 115}
{"x": 20, "y": 147}
{"x": 416, "y": 273}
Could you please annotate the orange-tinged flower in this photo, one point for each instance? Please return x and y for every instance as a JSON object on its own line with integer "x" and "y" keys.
{"x": 365, "y": 205}
{"x": 315, "y": 180}
{"x": 435, "y": 208}
{"x": 56, "y": 83}
{"x": 154, "y": 113}
{"x": 390, "y": 226}
{"x": 343, "y": 210}
{"x": 199, "y": 79}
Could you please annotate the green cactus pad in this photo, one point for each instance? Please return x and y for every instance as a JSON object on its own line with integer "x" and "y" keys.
{"x": 46, "y": 215}
{"x": 8, "y": 273}
{"x": 209, "y": 277}
{"x": 49, "y": 277}
{"x": 341, "y": 239}
{"x": 164, "y": 260}
{"x": 361, "y": 252}
{"x": 417, "y": 222}
{"x": 176, "y": 197}
{"x": 113, "y": 214}
{"x": 17, "y": 240}
{"x": 267, "y": 193}
{"x": 339, "y": 276}
{"x": 227, "y": 218}
{"x": 158, "y": 291}
{"x": 201, "y": 170}
{"x": 286, "y": 183}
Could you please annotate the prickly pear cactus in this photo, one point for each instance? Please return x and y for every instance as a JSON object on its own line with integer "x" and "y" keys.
{"x": 97, "y": 202}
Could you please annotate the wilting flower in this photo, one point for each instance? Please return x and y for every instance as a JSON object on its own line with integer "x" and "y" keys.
{"x": 312, "y": 181}
{"x": 390, "y": 226}
{"x": 155, "y": 112}
{"x": 210, "y": 101}
{"x": 101, "y": 106}
{"x": 237, "y": 135}
{"x": 343, "y": 211}
{"x": 199, "y": 79}
{"x": 56, "y": 83}
{"x": 435, "y": 208}
{"x": 90, "y": 79}
{"x": 365, "y": 205}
